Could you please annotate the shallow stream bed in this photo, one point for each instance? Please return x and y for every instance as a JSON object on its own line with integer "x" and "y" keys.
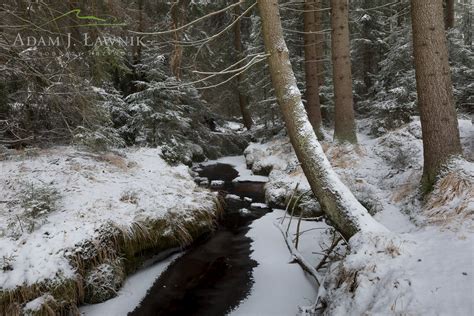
{"x": 215, "y": 274}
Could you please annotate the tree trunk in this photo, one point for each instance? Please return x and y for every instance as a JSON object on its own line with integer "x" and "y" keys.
{"x": 369, "y": 56}
{"x": 435, "y": 91}
{"x": 141, "y": 28}
{"x": 177, "y": 13}
{"x": 318, "y": 27}
{"x": 449, "y": 18}
{"x": 340, "y": 205}
{"x": 313, "y": 107}
{"x": 246, "y": 117}
{"x": 467, "y": 22}
{"x": 345, "y": 128}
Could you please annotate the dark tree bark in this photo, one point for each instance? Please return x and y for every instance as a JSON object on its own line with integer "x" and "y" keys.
{"x": 369, "y": 56}
{"x": 345, "y": 127}
{"x": 243, "y": 102}
{"x": 312, "y": 105}
{"x": 467, "y": 26}
{"x": 435, "y": 91}
{"x": 449, "y": 18}
{"x": 345, "y": 212}
{"x": 178, "y": 15}
{"x": 320, "y": 42}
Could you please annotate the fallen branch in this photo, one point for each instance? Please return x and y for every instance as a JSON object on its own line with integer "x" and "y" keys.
{"x": 328, "y": 252}
{"x": 296, "y": 255}
{"x": 16, "y": 141}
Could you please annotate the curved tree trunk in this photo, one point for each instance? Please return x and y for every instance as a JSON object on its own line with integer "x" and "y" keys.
{"x": 243, "y": 103}
{"x": 435, "y": 90}
{"x": 340, "y": 205}
{"x": 345, "y": 127}
{"x": 312, "y": 105}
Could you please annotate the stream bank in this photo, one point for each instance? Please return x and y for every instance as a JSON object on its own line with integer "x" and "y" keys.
{"x": 244, "y": 268}
{"x": 214, "y": 276}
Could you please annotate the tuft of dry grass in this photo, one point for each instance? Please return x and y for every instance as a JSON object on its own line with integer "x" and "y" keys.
{"x": 348, "y": 278}
{"x": 392, "y": 250}
{"x": 116, "y": 161}
{"x": 452, "y": 201}
{"x": 407, "y": 190}
{"x": 344, "y": 156}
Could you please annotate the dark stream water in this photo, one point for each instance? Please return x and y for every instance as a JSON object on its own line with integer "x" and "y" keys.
{"x": 215, "y": 274}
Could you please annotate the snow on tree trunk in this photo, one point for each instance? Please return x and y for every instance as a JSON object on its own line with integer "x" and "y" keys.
{"x": 345, "y": 128}
{"x": 312, "y": 106}
{"x": 435, "y": 90}
{"x": 340, "y": 205}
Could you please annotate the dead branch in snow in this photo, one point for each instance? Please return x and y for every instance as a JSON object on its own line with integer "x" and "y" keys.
{"x": 328, "y": 252}
{"x": 296, "y": 255}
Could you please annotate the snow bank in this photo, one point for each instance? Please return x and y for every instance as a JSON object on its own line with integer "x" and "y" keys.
{"x": 427, "y": 272}
{"x": 425, "y": 266}
{"x": 55, "y": 201}
{"x": 131, "y": 294}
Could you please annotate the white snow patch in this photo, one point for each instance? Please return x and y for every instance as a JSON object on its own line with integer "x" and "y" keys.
{"x": 131, "y": 294}
{"x": 239, "y": 164}
{"x": 259, "y": 205}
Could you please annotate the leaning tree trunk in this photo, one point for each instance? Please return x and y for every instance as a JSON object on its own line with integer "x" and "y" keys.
{"x": 246, "y": 117}
{"x": 313, "y": 107}
{"x": 449, "y": 18}
{"x": 435, "y": 90}
{"x": 340, "y": 205}
{"x": 345, "y": 128}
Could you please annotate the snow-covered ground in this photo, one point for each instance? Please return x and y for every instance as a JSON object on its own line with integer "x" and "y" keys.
{"x": 425, "y": 266}
{"x": 55, "y": 200}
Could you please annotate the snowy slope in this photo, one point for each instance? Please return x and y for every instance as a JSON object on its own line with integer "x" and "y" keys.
{"x": 88, "y": 191}
{"x": 425, "y": 266}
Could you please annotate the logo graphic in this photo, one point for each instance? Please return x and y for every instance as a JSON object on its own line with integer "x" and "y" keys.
{"x": 95, "y": 21}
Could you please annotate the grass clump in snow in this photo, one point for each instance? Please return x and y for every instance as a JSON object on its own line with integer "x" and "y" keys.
{"x": 35, "y": 202}
{"x": 451, "y": 204}
{"x": 38, "y": 201}
{"x": 43, "y": 305}
{"x": 103, "y": 282}
{"x": 6, "y": 263}
{"x": 63, "y": 295}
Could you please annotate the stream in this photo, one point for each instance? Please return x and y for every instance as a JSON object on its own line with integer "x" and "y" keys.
{"x": 215, "y": 274}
